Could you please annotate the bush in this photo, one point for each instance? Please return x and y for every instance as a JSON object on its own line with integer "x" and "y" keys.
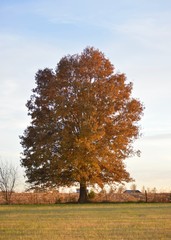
{"x": 58, "y": 200}
{"x": 91, "y": 194}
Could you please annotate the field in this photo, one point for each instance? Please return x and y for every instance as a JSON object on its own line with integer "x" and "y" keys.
{"x": 86, "y": 221}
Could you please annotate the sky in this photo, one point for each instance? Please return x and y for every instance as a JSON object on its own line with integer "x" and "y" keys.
{"x": 134, "y": 35}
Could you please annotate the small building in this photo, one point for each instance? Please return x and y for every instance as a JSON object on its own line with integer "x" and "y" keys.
{"x": 138, "y": 195}
{"x": 132, "y": 191}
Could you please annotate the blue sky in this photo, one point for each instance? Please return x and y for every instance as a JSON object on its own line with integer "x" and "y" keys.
{"x": 134, "y": 35}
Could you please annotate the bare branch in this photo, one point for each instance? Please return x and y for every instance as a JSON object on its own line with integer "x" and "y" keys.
{"x": 8, "y": 177}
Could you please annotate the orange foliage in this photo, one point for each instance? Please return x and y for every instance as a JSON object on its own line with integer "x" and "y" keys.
{"x": 84, "y": 121}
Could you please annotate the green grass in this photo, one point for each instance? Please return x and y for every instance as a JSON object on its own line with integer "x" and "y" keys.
{"x": 87, "y": 221}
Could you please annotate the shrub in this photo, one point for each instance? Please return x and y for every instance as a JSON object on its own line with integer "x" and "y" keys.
{"x": 91, "y": 194}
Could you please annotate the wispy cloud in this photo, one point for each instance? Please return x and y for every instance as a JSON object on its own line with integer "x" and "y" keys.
{"x": 150, "y": 32}
{"x": 159, "y": 137}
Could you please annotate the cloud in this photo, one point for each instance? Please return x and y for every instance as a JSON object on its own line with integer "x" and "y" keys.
{"x": 149, "y": 34}
{"x": 158, "y": 137}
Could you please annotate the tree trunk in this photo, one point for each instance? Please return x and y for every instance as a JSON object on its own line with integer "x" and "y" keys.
{"x": 83, "y": 193}
{"x": 146, "y": 196}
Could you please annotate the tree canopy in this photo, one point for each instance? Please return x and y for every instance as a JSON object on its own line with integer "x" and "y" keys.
{"x": 83, "y": 124}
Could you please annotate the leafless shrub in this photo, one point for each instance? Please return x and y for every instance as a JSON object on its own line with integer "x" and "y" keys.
{"x": 8, "y": 177}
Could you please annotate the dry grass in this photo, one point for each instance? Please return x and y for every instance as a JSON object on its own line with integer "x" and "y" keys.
{"x": 56, "y": 197}
{"x": 87, "y": 221}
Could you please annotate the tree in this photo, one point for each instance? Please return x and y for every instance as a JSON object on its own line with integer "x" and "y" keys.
{"x": 133, "y": 187}
{"x": 83, "y": 124}
{"x": 8, "y": 177}
{"x": 121, "y": 189}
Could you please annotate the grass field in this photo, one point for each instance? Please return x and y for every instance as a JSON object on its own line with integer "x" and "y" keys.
{"x": 87, "y": 221}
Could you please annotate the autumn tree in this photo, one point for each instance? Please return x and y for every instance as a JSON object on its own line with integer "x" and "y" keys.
{"x": 83, "y": 124}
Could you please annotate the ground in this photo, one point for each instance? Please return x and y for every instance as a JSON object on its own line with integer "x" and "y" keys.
{"x": 86, "y": 221}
